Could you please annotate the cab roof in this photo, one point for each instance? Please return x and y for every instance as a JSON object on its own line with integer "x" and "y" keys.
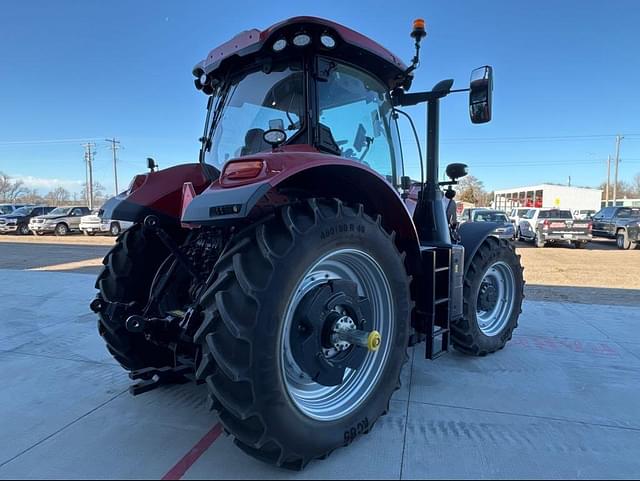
{"x": 351, "y": 46}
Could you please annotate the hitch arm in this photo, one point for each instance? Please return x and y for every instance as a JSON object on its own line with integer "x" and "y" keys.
{"x": 152, "y": 223}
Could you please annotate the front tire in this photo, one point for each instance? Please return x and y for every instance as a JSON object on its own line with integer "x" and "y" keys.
{"x": 62, "y": 229}
{"x": 247, "y": 351}
{"x": 23, "y": 229}
{"x": 126, "y": 277}
{"x": 493, "y": 294}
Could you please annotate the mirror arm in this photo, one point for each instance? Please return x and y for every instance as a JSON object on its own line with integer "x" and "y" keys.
{"x": 441, "y": 90}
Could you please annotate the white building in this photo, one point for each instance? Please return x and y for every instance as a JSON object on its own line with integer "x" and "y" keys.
{"x": 548, "y": 195}
{"x": 623, "y": 203}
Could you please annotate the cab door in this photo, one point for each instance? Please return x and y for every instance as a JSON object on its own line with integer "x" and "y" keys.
{"x": 74, "y": 219}
{"x": 600, "y": 221}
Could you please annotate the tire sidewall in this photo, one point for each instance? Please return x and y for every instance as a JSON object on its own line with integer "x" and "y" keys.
{"x": 280, "y": 413}
{"x": 23, "y": 229}
{"x": 484, "y": 342}
{"x": 114, "y": 229}
{"x": 622, "y": 241}
{"x": 61, "y": 229}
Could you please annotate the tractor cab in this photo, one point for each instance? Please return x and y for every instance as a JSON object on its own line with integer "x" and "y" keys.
{"x": 306, "y": 81}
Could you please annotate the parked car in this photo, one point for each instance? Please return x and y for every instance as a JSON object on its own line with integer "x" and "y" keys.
{"x": 17, "y": 222}
{"x": 93, "y": 224}
{"x": 505, "y": 229}
{"x": 542, "y": 226}
{"x": 60, "y": 221}
{"x": 619, "y": 223}
{"x": 583, "y": 214}
{"x": 516, "y": 216}
{"x": 9, "y": 208}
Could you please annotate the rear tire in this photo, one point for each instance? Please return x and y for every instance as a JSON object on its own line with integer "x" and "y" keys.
{"x": 622, "y": 240}
{"x": 244, "y": 335}
{"x": 468, "y": 335}
{"x": 539, "y": 242}
{"x": 126, "y": 277}
{"x": 580, "y": 245}
{"x": 23, "y": 229}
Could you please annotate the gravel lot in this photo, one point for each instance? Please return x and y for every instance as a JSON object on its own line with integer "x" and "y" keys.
{"x": 599, "y": 274}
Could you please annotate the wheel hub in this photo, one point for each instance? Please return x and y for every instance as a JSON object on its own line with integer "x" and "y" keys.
{"x": 488, "y": 296}
{"x": 326, "y": 313}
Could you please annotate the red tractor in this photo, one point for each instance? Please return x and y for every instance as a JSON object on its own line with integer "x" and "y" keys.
{"x": 292, "y": 267}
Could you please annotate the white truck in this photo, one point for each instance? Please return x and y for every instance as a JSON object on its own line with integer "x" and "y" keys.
{"x": 93, "y": 224}
{"x": 543, "y": 226}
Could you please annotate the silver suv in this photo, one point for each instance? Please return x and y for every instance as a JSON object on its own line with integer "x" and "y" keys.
{"x": 60, "y": 221}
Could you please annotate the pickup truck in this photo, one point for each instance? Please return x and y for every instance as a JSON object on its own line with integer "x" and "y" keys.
{"x": 60, "y": 221}
{"x": 93, "y": 224}
{"x": 17, "y": 222}
{"x": 504, "y": 227}
{"x": 619, "y": 223}
{"x": 542, "y": 226}
{"x": 516, "y": 216}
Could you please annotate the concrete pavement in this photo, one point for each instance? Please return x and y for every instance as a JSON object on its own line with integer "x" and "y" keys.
{"x": 560, "y": 401}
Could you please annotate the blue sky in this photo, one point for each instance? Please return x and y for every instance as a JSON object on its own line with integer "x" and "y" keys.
{"x": 94, "y": 69}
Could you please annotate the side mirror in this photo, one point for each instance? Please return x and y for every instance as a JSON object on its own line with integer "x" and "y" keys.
{"x": 480, "y": 95}
{"x": 151, "y": 164}
{"x": 457, "y": 171}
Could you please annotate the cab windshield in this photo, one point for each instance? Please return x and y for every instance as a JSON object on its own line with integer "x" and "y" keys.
{"x": 23, "y": 211}
{"x": 247, "y": 106}
{"x": 60, "y": 211}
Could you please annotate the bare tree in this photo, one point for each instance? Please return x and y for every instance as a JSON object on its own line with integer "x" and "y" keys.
{"x": 636, "y": 185}
{"x": 624, "y": 189}
{"x": 99, "y": 196}
{"x": 58, "y": 196}
{"x": 31, "y": 196}
{"x": 10, "y": 190}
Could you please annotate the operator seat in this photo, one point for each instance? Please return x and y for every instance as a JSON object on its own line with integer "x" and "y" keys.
{"x": 254, "y": 142}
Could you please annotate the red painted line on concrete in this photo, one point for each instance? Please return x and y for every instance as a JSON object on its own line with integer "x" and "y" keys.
{"x": 193, "y": 455}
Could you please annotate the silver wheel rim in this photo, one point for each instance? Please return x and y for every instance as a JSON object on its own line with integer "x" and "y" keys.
{"x": 331, "y": 403}
{"x": 493, "y": 321}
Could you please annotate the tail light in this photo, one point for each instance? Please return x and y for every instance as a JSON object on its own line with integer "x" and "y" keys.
{"x": 590, "y": 226}
{"x": 546, "y": 224}
{"x": 242, "y": 170}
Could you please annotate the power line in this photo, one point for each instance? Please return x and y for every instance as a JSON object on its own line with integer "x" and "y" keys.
{"x": 51, "y": 141}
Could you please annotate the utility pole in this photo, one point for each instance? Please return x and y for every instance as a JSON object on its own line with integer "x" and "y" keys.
{"x": 88, "y": 156}
{"x": 115, "y": 145}
{"x": 615, "y": 177}
{"x": 606, "y": 196}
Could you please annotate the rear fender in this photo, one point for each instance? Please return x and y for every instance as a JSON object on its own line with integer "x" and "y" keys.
{"x": 319, "y": 176}
{"x": 472, "y": 235}
{"x": 157, "y": 193}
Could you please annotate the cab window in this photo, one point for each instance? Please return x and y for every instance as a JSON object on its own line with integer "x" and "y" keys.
{"x": 356, "y": 108}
